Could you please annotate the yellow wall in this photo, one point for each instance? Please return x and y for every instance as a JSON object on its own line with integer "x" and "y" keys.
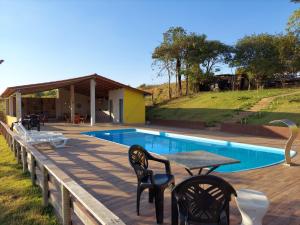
{"x": 10, "y": 120}
{"x": 134, "y": 107}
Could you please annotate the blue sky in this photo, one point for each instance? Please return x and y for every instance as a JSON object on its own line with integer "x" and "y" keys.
{"x": 51, "y": 40}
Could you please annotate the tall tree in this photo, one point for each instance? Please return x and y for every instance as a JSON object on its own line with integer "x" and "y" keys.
{"x": 165, "y": 63}
{"x": 293, "y": 25}
{"x": 288, "y": 47}
{"x": 214, "y": 53}
{"x": 174, "y": 37}
{"x": 206, "y": 55}
{"x": 193, "y": 45}
{"x": 257, "y": 54}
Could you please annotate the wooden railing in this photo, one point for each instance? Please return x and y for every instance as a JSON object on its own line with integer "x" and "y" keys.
{"x": 72, "y": 203}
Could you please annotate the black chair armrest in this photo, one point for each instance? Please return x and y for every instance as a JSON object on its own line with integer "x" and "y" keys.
{"x": 150, "y": 174}
{"x": 164, "y": 161}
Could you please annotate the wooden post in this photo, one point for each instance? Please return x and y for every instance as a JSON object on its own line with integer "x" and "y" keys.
{"x": 45, "y": 186}
{"x": 66, "y": 206}
{"x": 8, "y": 139}
{"x": 32, "y": 168}
{"x": 24, "y": 159}
{"x": 93, "y": 101}
{"x": 11, "y": 105}
{"x": 18, "y": 150}
{"x": 10, "y": 142}
{"x": 18, "y": 105}
{"x": 14, "y": 147}
{"x": 72, "y": 102}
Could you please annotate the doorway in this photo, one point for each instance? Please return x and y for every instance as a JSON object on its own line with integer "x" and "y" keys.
{"x": 121, "y": 110}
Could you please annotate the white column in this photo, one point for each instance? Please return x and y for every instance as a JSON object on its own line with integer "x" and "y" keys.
{"x": 18, "y": 105}
{"x": 72, "y": 102}
{"x": 11, "y": 105}
{"x": 93, "y": 101}
{"x": 7, "y": 106}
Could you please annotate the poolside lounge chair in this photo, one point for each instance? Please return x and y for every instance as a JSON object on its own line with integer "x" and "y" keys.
{"x": 156, "y": 183}
{"x": 57, "y": 140}
{"x": 202, "y": 199}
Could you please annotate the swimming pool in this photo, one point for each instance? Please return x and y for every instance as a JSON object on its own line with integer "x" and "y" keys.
{"x": 250, "y": 156}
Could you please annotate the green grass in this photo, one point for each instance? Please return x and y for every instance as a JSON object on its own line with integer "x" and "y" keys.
{"x": 287, "y": 107}
{"x": 211, "y": 107}
{"x": 20, "y": 202}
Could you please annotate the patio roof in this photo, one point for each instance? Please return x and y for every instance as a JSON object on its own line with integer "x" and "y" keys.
{"x": 82, "y": 86}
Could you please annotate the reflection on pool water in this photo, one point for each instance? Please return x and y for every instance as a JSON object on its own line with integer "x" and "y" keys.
{"x": 250, "y": 156}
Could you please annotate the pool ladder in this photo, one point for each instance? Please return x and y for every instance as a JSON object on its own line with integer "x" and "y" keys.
{"x": 294, "y": 133}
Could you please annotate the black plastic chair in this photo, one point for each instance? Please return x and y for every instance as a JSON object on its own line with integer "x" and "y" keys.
{"x": 156, "y": 183}
{"x": 202, "y": 200}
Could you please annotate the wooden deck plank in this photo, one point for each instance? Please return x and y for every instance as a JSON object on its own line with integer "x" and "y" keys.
{"x": 102, "y": 168}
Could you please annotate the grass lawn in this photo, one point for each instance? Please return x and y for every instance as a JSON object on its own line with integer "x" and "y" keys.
{"x": 287, "y": 107}
{"x": 20, "y": 202}
{"x": 211, "y": 107}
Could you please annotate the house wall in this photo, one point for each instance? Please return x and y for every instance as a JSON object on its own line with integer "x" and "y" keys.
{"x": 114, "y": 96}
{"x": 134, "y": 107}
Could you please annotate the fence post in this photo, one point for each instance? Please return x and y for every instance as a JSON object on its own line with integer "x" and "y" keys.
{"x": 32, "y": 167}
{"x": 45, "y": 186}
{"x": 10, "y": 142}
{"x": 66, "y": 206}
{"x": 14, "y": 147}
{"x": 18, "y": 149}
{"x": 24, "y": 159}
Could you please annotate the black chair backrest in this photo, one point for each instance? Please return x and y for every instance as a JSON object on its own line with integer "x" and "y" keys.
{"x": 203, "y": 198}
{"x": 34, "y": 120}
{"x": 138, "y": 159}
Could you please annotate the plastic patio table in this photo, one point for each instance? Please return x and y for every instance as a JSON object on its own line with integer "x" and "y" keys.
{"x": 198, "y": 160}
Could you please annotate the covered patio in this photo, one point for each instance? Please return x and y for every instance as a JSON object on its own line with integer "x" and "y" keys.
{"x": 93, "y": 98}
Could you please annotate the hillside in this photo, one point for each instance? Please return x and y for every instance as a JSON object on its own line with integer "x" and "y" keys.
{"x": 216, "y": 107}
{"x": 160, "y": 92}
{"x": 282, "y": 107}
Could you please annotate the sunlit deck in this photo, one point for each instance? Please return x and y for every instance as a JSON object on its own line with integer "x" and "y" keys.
{"x": 102, "y": 168}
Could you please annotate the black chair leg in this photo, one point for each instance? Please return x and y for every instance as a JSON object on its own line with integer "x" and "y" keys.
{"x": 159, "y": 205}
{"x": 228, "y": 215}
{"x": 151, "y": 195}
{"x": 174, "y": 211}
{"x": 138, "y": 198}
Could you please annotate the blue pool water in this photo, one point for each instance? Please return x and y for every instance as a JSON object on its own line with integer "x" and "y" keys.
{"x": 250, "y": 156}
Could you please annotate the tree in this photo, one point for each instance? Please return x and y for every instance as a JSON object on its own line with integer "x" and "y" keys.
{"x": 214, "y": 53}
{"x": 258, "y": 56}
{"x": 174, "y": 38}
{"x": 163, "y": 59}
{"x": 191, "y": 45}
{"x": 293, "y": 25}
{"x": 288, "y": 47}
{"x": 204, "y": 54}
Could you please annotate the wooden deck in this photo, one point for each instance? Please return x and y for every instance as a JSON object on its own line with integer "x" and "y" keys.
{"x": 102, "y": 168}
